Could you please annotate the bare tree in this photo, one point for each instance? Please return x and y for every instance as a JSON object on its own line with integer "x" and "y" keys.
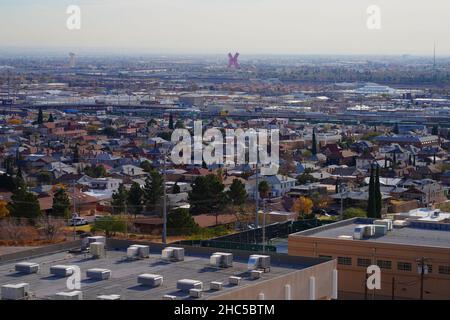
{"x": 51, "y": 228}
{"x": 13, "y": 229}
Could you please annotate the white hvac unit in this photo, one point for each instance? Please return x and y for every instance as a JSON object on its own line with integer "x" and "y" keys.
{"x": 400, "y": 223}
{"x": 97, "y": 239}
{"x": 235, "y": 281}
{"x": 62, "y": 270}
{"x": 97, "y": 249}
{"x": 384, "y": 222}
{"x": 188, "y": 284}
{"x": 369, "y": 230}
{"x": 256, "y": 274}
{"x": 195, "y": 293}
{"x": 216, "y": 285}
{"x": 358, "y": 233}
{"x": 150, "y": 280}
{"x": 27, "y": 267}
{"x": 15, "y": 291}
{"x": 72, "y": 295}
{"x": 169, "y": 297}
{"x": 132, "y": 252}
{"x": 173, "y": 254}
{"x": 221, "y": 259}
{"x": 98, "y": 274}
{"x": 258, "y": 261}
{"x": 142, "y": 251}
{"x": 380, "y": 230}
{"x": 109, "y": 297}
{"x": 345, "y": 237}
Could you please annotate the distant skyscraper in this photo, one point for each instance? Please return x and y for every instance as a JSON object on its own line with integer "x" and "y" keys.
{"x": 72, "y": 60}
{"x": 233, "y": 61}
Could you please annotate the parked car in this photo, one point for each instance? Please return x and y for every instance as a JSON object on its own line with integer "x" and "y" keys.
{"x": 78, "y": 221}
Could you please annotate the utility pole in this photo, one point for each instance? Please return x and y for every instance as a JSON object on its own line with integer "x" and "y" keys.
{"x": 164, "y": 234}
{"x": 393, "y": 288}
{"x": 422, "y": 269}
{"x": 74, "y": 211}
{"x": 257, "y": 195}
{"x": 264, "y": 226}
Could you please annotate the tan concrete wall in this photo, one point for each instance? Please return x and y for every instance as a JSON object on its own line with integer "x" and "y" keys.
{"x": 273, "y": 289}
{"x": 352, "y": 278}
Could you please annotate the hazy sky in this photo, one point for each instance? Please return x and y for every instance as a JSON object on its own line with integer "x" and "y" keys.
{"x": 218, "y": 26}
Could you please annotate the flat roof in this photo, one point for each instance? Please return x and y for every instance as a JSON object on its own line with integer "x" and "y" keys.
{"x": 409, "y": 235}
{"x": 124, "y": 273}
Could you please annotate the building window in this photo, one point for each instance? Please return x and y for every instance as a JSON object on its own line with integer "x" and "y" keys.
{"x": 444, "y": 269}
{"x": 404, "y": 266}
{"x": 346, "y": 261}
{"x": 364, "y": 262}
{"x": 384, "y": 264}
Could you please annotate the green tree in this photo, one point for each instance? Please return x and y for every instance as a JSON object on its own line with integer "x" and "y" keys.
{"x": 40, "y": 118}
{"x": 263, "y": 189}
{"x": 378, "y": 196}
{"x": 314, "y": 143}
{"x": 179, "y": 124}
{"x": 44, "y": 177}
{"x": 7, "y": 182}
{"x": 146, "y": 166}
{"x": 24, "y": 204}
{"x": 50, "y": 118}
{"x": 207, "y": 195}
{"x": 354, "y": 213}
{"x": 153, "y": 189}
{"x": 171, "y": 126}
{"x": 119, "y": 200}
{"x": 180, "y": 222}
{"x": 237, "y": 194}
{"x": 111, "y": 225}
{"x": 95, "y": 171}
{"x": 76, "y": 154}
{"x": 135, "y": 197}
{"x": 176, "y": 188}
{"x": 61, "y": 204}
{"x": 435, "y": 130}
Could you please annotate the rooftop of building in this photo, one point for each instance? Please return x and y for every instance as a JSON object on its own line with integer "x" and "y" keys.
{"x": 416, "y": 233}
{"x": 124, "y": 273}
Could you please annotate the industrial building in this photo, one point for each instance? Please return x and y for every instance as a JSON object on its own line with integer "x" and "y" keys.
{"x": 413, "y": 256}
{"x": 126, "y": 270}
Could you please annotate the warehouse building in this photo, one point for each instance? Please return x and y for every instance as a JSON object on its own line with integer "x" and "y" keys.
{"x": 413, "y": 256}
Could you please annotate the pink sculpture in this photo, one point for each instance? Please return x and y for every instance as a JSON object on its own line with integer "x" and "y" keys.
{"x": 233, "y": 61}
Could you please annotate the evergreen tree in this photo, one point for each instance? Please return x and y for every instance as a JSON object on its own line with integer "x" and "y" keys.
{"x": 371, "y": 207}
{"x": 237, "y": 194}
{"x": 24, "y": 204}
{"x": 171, "y": 125}
{"x": 20, "y": 182}
{"x": 134, "y": 200}
{"x": 207, "y": 195}
{"x": 153, "y": 189}
{"x": 176, "y": 188}
{"x": 378, "y": 196}
{"x": 119, "y": 200}
{"x": 76, "y": 154}
{"x": 180, "y": 222}
{"x": 314, "y": 143}
{"x": 396, "y": 129}
{"x": 435, "y": 130}
{"x": 50, "y": 118}
{"x": 179, "y": 124}
{"x": 40, "y": 118}
{"x": 263, "y": 189}
{"x": 61, "y": 204}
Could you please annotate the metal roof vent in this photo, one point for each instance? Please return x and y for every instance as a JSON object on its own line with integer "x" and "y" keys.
{"x": 258, "y": 261}
{"x": 27, "y": 267}
{"x": 221, "y": 259}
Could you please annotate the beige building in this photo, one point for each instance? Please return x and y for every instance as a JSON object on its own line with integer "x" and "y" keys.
{"x": 398, "y": 253}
